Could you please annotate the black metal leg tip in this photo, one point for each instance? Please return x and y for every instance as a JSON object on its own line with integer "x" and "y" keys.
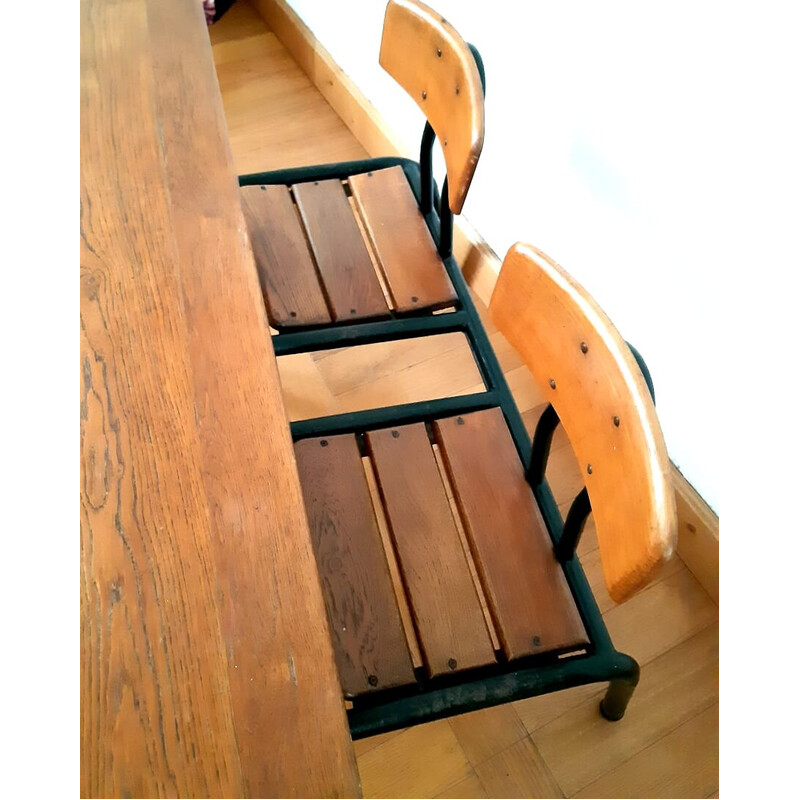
{"x": 606, "y": 713}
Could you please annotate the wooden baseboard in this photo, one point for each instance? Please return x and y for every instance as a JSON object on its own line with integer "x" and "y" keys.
{"x": 698, "y": 540}
{"x": 698, "y": 534}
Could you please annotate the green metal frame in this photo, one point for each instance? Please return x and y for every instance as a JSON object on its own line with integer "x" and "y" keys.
{"x": 434, "y": 698}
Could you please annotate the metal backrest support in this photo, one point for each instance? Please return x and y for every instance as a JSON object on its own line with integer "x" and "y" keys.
{"x": 602, "y": 399}
{"x": 428, "y": 58}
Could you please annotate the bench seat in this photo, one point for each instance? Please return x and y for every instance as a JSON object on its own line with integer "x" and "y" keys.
{"x": 330, "y": 251}
{"x": 475, "y": 559}
{"x": 450, "y": 577}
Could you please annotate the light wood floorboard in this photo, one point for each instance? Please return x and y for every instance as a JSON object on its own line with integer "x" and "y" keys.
{"x": 552, "y": 746}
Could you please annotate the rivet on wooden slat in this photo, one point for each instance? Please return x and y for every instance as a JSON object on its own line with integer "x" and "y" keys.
{"x": 292, "y": 313}
{"x": 589, "y": 468}
{"x": 584, "y": 348}
{"x": 459, "y": 421}
{"x": 353, "y": 311}
{"x": 263, "y": 188}
{"x": 424, "y": 94}
{"x": 452, "y": 663}
{"x": 537, "y": 641}
{"x": 395, "y": 434}
{"x": 616, "y": 422}
{"x": 458, "y": 90}
{"x": 552, "y": 384}
{"x": 373, "y": 680}
{"x": 323, "y": 443}
{"x": 415, "y": 299}
{"x": 438, "y": 53}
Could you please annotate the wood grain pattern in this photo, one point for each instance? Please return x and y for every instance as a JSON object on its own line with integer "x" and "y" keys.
{"x": 196, "y": 561}
{"x": 428, "y": 58}
{"x": 391, "y": 561}
{"x": 479, "y": 263}
{"x": 271, "y": 106}
{"x": 487, "y": 732}
{"x": 473, "y": 570}
{"x": 528, "y": 595}
{"x": 605, "y": 407}
{"x": 385, "y": 773}
{"x": 684, "y": 763}
{"x": 443, "y": 598}
{"x": 681, "y": 607}
{"x": 369, "y": 641}
{"x": 141, "y": 538}
{"x": 275, "y": 119}
{"x": 286, "y": 270}
{"x": 401, "y": 240}
{"x": 356, "y": 371}
{"x": 518, "y": 771}
{"x": 673, "y": 689}
{"x": 470, "y": 786}
{"x": 348, "y": 276}
{"x": 360, "y": 119}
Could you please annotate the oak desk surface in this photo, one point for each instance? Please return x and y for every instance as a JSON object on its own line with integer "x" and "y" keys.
{"x": 206, "y": 664}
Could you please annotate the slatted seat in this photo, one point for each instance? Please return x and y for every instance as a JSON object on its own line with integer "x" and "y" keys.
{"x": 315, "y": 263}
{"x": 353, "y": 243}
{"x": 450, "y": 578}
{"x": 531, "y": 608}
{"x": 489, "y": 602}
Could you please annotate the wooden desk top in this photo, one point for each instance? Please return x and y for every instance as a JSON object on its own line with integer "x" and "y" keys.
{"x": 206, "y": 664}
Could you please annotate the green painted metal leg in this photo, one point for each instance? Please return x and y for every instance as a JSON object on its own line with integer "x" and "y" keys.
{"x": 620, "y": 690}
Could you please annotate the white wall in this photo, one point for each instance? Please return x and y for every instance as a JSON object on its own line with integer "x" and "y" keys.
{"x": 619, "y": 138}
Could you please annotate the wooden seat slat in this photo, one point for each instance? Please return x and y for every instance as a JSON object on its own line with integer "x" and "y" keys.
{"x": 368, "y": 637}
{"x": 444, "y": 600}
{"x": 289, "y": 280}
{"x": 527, "y": 592}
{"x": 352, "y": 287}
{"x": 401, "y": 240}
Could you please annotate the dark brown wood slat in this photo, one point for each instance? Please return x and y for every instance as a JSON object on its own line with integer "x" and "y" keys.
{"x": 348, "y": 276}
{"x": 403, "y": 245}
{"x": 368, "y": 638}
{"x": 444, "y": 601}
{"x": 525, "y": 586}
{"x": 286, "y": 270}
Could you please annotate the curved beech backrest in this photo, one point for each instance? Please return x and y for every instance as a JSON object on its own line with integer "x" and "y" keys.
{"x": 423, "y": 53}
{"x": 602, "y": 400}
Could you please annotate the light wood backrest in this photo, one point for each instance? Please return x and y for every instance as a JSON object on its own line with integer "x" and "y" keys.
{"x": 602, "y": 400}
{"x": 428, "y": 58}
